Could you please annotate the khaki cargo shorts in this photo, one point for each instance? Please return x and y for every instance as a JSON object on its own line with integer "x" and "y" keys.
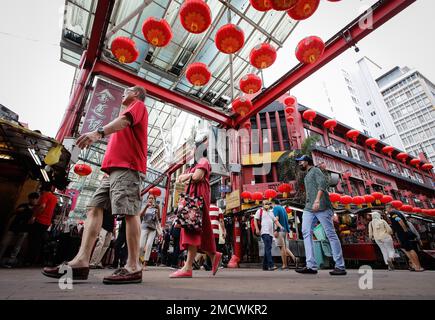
{"x": 120, "y": 192}
{"x": 280, "y": 241}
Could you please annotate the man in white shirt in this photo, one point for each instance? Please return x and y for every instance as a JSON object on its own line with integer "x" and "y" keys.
{"x": 267, "y": 219}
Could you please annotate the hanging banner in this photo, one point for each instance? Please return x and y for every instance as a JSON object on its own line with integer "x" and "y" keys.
{"x": 104, "y": 106}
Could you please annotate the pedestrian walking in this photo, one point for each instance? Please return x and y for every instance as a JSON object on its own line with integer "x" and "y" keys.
{"x": 318, "y": 206}
{"x": 103, "y": 241}
{"x": 150, "y": 216}
{"x": 380, "y": 231}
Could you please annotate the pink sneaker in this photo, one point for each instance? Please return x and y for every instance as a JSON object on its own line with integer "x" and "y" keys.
{"x": 216, "y": 262}
{"x": 181, "y": 274}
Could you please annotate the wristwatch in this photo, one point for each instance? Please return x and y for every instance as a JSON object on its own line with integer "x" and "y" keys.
{"x": 100, "y": 130}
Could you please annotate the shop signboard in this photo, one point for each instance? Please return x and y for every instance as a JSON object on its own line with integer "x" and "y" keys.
{"x": 233, "y": 200}
{"x": 104, "y": 106}
{"x": 178, "y": 188}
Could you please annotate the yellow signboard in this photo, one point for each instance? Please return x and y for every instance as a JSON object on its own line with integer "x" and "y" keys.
{"x": 179, "y": 188}
{"x": 233, "y": 200}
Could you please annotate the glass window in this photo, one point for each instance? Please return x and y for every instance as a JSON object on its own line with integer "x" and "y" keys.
{"x": 339, "y": 147}
{"x": 310, "y": 133}
{"x": 393, "y": 167}
{"x": 377, "y": 161}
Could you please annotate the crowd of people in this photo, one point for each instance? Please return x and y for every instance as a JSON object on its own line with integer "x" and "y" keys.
{"x": 118, "y": 202}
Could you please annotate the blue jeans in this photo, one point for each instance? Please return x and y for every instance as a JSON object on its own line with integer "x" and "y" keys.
{"x": 267, "y": 259}
{"x": 325, "y": 218}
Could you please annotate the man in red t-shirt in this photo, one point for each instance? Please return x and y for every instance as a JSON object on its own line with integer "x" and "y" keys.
{"x": 120, "y": 190}
{"x": 40, "y": 222}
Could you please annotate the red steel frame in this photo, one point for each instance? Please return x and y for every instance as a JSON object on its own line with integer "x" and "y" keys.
{"x": 92, "y": 65}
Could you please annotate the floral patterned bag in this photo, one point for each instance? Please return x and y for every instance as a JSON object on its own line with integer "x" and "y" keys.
{"x": 189, "y": 211}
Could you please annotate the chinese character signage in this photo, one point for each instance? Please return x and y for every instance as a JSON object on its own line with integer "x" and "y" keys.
{"x": 104, "y": 106}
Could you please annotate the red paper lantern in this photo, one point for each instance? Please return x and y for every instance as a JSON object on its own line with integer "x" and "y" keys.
{"x": 334, "y": 198}
{"x": 402, "y": 156}
{"x": 270, "y": 194}
{"x": 429, "y": 212}
{"x": 283, "y": 5}
{"x": 415, "y": 162}
{"x": 229, "y": 38}
{"x": 358, "y": 200}
{"x": 124, "y": 49}
{"x": 198, "y": 74}
{"x": 262, "y": 56}
{"x": 195, "y": 16}
{"x": 289, "y": 110}
{"x": 82, "y": 169}
{"x": 290, "y": 119}
{"x": 156, "y": 192}
{"x": 371, "y": 142}
{"x": 353, "y": 134}
{"x": 378, "y": 196}
{"x": 330, "y": 124}
{"x": 246, "y": 196}
{"x": 310, "y": 49}
{"x": 369, "y": 199}
{"x": 397, "y": 204}
{"x": 257, "y": 196}
{"x": 250, "y": 84}
{"x": 285, "y": 188}
{"x": 386, "y": 199}
{"x": 242, "y": 105}
{"x": 406, "y": 208}
{"x": 346, "y": 200}
{"x": 261, "y": 5}
{"x": 309, "y": 115}
{"x": 157, "y": 32}
{"x": 291, "y": 101}
{"x": 417, "y": 210}
{"x": 388, "y": 150}
{"x": 303, "y": 9}
{"x": 247, "y": 125}
{"x": 427, "y": 167}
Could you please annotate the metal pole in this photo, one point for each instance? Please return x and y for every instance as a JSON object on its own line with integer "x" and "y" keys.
{"x": 231, "y": 58}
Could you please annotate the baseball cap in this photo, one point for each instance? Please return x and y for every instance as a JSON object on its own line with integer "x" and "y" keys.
{"x": 305, "y": 158}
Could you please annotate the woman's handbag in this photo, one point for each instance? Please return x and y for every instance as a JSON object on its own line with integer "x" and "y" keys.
{"x": 189, "y": 211}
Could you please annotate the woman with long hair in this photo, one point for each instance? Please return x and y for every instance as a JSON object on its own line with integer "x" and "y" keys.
{"x": 199, "y": 177}
{"x": 150, "y": 216}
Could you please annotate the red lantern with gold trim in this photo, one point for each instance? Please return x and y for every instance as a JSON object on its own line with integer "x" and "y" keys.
{"x": 229, "y": 38}
{"x": 417, "y": 210}
{"x": 415, "y": 162}
{"x": 157, "y": 32}
{"x": 358, "y": 201}
{"x": 198, "y": 74}
{"x": 388, "y": 150}
{"x": 330, "y": 124}
{"x": 397, "y": 204}
{"x": 309, "y": 115}
{"x": 303, "y": 9}
{"x": 82, "y": 169}
{"x": 246, "y": 196}
{"x": 369, "y": 199}
{"x": 242, "y": 105}
{"x": 386, "y": 199}
{"x": 402, "y": 156}
{"x": 282, "y": 5}
{"x": 270, "y": 194}
{"x": 261, "y": 5}
{"x": 124, "y": 49}
{"x": 285, "y": 188}
{"x": 250, "y": 83}
{"x": 257, "y": 196}
{"x": 406, "y": 208}
{"x": 427, "y": 167}
{"x": 378, "y": 196}
{"x": 346, "y": 201}
{"x": 335, "y": 199}
{"x": 262, "y": 56}
{"x": 310, "y": 49}
{"x": 353, "y": 134}
{"x": 156, "y": 192}
{"x": 195, "y": 16}
{"x": 372, "y": 142}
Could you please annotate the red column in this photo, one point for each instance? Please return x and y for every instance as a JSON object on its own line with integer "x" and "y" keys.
{"x": 269, "y": 131}
{"x": 278, "y": 126}
{"x": 165, "y": 207}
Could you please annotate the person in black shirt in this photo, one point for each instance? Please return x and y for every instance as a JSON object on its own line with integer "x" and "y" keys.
{"x": 407, "y": 239}
{"x": 18, "y": 229}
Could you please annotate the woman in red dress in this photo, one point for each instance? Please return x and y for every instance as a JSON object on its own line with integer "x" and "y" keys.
{"x": 204, "y": 241}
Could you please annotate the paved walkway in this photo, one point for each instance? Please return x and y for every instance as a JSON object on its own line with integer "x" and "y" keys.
{"x": 228, "y": 284}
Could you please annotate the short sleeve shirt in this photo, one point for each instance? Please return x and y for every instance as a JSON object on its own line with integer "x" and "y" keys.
{"x": 50, "y": 201}
{"x": 128, "y": 148}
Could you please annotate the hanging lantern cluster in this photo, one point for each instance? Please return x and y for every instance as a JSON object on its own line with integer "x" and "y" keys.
{"x": 250, "y": 83}
{"x": 246, "y": 196}
{"x": 285, "y": 189}
{"x": 261, "y": 5}
{"x": 303, "y": 9}
{"x": 330, "y": 124}
{"x": 195, "y": 16}
{"x": 124, "y": 49}
{"x": 242, "y": 105}
{"x": 291, "y": 104}
{"x": 82, "y": 169}
{"x": 157, "y": 32}
{"x": 229, "y": 38}
{"x": 310, "y": 49}
{"x": 262, "y": 56}
{"x": 198, "y": 74}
